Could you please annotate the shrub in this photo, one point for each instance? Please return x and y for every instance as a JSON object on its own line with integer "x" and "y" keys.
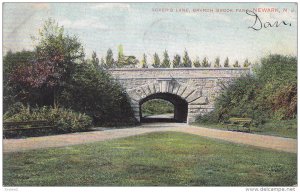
{"x": 277, "y": 70}
{"x": 92, "y": 91}
{"x": 65, "y": 120}
{"x": 271, "y": 93}
{"x": 238, "y": 99}
{"x": 209, "y": 118}
{"x": 285, "y": 102}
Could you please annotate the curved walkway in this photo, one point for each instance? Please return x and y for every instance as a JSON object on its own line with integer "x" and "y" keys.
{"x": 262, "y": 141}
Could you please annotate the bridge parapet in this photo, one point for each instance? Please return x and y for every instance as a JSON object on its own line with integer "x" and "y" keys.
{"x": 145, "y": 73}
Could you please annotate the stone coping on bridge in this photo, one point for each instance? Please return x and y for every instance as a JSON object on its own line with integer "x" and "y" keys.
{"x": 177, "y": 73}
{"x": 178, "y": 69}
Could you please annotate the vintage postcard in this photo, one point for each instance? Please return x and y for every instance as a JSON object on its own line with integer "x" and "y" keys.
{"x": 150, "y": 94}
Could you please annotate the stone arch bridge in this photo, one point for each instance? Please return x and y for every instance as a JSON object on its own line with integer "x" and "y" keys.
{"x": 192, "y": 91}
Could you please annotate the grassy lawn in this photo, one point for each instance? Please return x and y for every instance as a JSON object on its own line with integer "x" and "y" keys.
{"x": 164, "y": 159}
{"x": 283, "y": 128}
{"x": 157, "y": 107}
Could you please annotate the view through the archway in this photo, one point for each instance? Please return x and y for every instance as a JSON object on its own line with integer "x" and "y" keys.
{"x": 157, "y": 109}
{"x": 163, "y": 107}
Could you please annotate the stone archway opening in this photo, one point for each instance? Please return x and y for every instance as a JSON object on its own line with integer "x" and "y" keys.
{"x": 180, "y": 110}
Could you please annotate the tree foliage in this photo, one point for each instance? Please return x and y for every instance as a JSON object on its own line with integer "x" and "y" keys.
{"x": 110, "y": 62}
{"x": 177, "y": 61}
{"x": 217, "y": 62}
{"x": 95, "y": 60}
{"x": 93, "y": 92}
{"x": 55, "y": 55}
{"x": 56, "y": 73}
{"x": 197, "y": 63}
{"x": 186, "y": 61}
{"x": 156, "y": 61}
{"x": 236, "y": 64}
{"x": 144, "y": 61}
{"x": 166, "y": 61}
{"x": 121, "y": 59}
{"x": 270, "y": 93}
{"x": 102, "y": 63}
{"x": 205, "y": 62}
{"x": 246, "y": 63}
{"x": 226, "y": 62}
{"x": 12, "y": 90}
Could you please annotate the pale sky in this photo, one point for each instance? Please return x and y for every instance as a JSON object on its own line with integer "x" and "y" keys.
{"x": 140, "y": 29}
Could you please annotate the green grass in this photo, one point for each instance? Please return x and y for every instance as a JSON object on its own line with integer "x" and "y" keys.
{"x": 164, "y": 159}
{"x": 281, "y": 128}
{"x": 157, "y": 107}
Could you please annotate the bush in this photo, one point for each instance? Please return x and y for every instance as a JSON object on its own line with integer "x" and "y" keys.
{"x": 65, "y": 120}
{"x": 278, "y": 76}
{"x": 271, "y": 93}
{"x": 285, "y": 102}
{"x": 238, "y": 99}
{"x": 92, "y": 91}
{"x": 209, "y": 118}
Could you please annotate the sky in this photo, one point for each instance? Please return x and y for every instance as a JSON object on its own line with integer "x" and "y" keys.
{"x": 147, "y": 28}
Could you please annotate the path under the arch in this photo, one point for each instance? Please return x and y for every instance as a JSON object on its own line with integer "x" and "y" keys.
{"x": 262, "y": 141}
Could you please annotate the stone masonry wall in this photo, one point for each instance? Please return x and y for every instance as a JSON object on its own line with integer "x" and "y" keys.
{"x": 198, "y": 86}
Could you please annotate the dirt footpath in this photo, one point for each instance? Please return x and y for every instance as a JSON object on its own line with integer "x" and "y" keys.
{"x": 262, "y": 141}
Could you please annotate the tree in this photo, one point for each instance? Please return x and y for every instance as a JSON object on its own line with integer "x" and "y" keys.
{"x": 186, "y": 61}
{"x": 120, "y": 52}
{"x": 246, "y": 63}
{"x": 177, "y": 61}
{"x": 130, "y": 60}
{"x": 56, "y": 55}
{"x": 166, "y": 61}
{"x": 57, "y": 73}
{"x": 11, "y": 61}
{"x": 236, "y": 64}
{"x": 144, "y": 61}
{"x": 226, "y": 62}
{"x": 217, "y": 62}
{"x": 121, "y": 58}
{"x": 95, "y": 60}
{"x": 13, "y": 91}
{"x": 102, "y": 64}
{"x": 94, "y": 93}
{"x": 156, "y": 61}
{"x": 205, "y": 62}
{"x": 109, "y": 59}
{"x": 270, "y": 93}
{"x": 197, "y": 63}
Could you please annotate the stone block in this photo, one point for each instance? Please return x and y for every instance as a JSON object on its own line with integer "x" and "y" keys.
{"x": 171, "y": 87}
{"x": 134, "y": 105}
{"x": 141, "y": 92}
{"x": 187, "y": 93}
{"x": 195, "y": 95}
{"x": 146, "y": 90}
{"x": 157, "y": 88}
{"x": 151, "y": 88}
{"x": 194, "y": 106}
{"x": 175, "y": 89}
{"x": 200, "y": 101}
{"x": 181, "y": 90}
{"x": 196, "y": 110}
{"x": 133, "y": 95}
